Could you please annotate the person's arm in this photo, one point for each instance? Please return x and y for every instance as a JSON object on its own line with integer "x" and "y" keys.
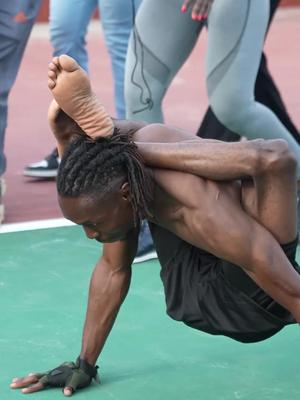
{"x": 233, "y": 235}
{"x": 108, "y": 288}
{"x": 169, "y": 148}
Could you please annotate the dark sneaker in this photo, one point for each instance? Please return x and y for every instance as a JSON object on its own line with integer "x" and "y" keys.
{"x": 46, "y": 168}
{"x": 146, "y": 250}
{"x": 2, "y": 191}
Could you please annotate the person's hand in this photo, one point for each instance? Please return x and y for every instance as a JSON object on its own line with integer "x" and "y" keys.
{"x": 68, "y": 376}
{"x": 200, "y": 8}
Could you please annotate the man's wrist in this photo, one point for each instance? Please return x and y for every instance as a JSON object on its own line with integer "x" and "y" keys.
{"x": 89, "y": 358}
{"x": 84, "y": 365}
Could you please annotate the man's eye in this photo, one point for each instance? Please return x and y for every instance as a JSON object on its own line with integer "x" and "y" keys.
{"x": 91, "y": 225}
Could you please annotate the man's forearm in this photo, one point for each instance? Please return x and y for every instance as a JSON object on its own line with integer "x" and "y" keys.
{"x": 209, "y": 159}
{"x": 107, "y": 291}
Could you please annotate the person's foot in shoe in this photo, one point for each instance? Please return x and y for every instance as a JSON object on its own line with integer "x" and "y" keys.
{"x": 2, "y": 191}
{"x": 72, "y": 91}
{"x": 44, "y": 169}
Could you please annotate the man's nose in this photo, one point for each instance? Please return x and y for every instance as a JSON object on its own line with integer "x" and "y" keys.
{"x": 90, "y": 233}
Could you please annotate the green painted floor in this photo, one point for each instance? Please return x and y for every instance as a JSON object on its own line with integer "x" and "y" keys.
{"x": 44, "y": 277}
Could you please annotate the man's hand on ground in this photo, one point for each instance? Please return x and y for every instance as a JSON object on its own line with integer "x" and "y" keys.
{"x": 200, "y": 8}
{"x": 68, "y": 376}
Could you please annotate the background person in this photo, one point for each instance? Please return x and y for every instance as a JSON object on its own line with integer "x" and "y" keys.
{"x": 68, "y": 31}
{"x": 16, "y": 21}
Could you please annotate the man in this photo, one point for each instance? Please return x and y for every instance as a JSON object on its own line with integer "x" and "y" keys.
{"x": 16, "y": 21}
{"x": 206, "y": 202}
{"x": 265, "y": 89}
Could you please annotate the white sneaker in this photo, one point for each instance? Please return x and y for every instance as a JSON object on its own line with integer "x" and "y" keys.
{"x": 2, "y": 191}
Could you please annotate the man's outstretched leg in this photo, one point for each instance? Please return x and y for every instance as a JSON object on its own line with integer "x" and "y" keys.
{"x": 71, "y": 89}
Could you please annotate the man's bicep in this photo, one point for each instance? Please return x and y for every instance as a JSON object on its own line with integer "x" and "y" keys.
{"x": 121, "y": 254}
{"x": 232, "y": 235}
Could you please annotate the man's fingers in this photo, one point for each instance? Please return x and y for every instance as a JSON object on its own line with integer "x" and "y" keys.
{"x": 34, "y": 388}
{"x": 18, "y": 383}
{"x": 72, "y": 383}
{"x": 68, "y": 391}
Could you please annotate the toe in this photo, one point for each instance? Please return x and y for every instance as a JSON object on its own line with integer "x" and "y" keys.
{"x": 68, "y": 63}
{"x": 51, "y": 84}
{"x": 55, "y": 61}
{"x": 52, "y": 75}
{"x": 53, "y": 67}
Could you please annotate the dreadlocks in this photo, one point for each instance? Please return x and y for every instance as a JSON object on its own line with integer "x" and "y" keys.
{"x": 90, "y": 166}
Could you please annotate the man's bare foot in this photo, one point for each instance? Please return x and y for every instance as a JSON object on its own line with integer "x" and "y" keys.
{"x": 72, "y": 91}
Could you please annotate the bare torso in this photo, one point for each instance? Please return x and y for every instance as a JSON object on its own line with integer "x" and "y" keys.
{"x": 188, "y": 205}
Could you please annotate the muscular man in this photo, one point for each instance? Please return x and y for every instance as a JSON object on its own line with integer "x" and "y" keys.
{"x": 222, "y": 215}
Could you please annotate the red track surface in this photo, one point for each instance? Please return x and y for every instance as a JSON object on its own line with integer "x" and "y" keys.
{"x": 28, "y": 137}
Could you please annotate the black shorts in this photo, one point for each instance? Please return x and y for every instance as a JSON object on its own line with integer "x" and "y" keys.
{"x": 214, "y": 296}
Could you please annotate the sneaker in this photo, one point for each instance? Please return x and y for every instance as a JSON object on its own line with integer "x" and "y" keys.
{"x": 2, "y": 191}
{"x": 146, "y": 250}
{"x": 46, "y": 168}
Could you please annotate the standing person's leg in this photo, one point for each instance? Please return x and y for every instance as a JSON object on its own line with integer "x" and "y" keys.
{"x": 235, "y": 41}
{"x": 211, "y": 128}
{"x": 16, "y": 21}
{"x": 268, "y": 94}
{"x": 160, "y": 43}
{"x": 117, "y": 18}
{"x": 69, "y": 20}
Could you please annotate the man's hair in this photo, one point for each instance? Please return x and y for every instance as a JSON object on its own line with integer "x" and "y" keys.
{"x": 90, "y": 167}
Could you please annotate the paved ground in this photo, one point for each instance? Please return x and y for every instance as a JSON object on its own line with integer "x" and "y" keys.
{"x": 148, "y": 356}
{"x": 28, "y": 137}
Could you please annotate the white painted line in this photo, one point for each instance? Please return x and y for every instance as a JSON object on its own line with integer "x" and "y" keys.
{"x": 33, "y": 225}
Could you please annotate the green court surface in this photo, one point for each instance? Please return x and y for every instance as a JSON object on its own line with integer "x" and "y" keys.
{"x": 43, "y": 286}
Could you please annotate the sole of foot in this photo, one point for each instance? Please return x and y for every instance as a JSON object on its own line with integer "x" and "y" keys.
{"x": 72, "y": 91}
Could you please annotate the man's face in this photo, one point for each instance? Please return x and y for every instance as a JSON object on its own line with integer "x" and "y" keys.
{"x": 106, "y": 219}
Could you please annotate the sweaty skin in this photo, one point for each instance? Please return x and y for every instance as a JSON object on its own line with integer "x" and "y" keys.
{"x": 243, "y": 221}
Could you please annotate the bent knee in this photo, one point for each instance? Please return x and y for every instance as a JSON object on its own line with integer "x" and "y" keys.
{"x": 232, "y": 111}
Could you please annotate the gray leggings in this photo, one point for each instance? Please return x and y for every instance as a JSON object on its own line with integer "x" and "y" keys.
{"x": 163, "y": 39}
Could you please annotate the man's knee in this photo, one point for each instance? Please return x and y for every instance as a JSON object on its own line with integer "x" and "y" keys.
{"x": 274, "y": 157}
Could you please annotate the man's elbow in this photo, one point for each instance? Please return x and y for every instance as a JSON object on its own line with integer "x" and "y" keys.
{"x": 273, "y": 157}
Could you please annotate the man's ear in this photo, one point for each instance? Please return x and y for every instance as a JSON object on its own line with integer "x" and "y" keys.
{"x": 125, "y": 192}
